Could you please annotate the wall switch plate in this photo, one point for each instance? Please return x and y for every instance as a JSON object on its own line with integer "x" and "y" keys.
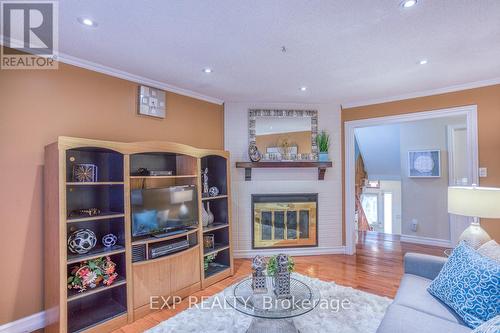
{"x": 414, "y": 224}
{"x": 483, "y": 172}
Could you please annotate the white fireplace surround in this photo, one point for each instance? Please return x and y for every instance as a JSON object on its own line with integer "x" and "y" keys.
{"x": 268, "y": 181}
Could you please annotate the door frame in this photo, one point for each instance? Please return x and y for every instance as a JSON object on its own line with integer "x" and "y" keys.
{"x": 469, "y": 111}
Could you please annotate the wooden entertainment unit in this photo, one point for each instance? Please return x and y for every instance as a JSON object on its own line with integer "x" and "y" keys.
{"x": 140, "y": 276}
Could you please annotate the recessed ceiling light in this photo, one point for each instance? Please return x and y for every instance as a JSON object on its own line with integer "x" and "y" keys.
{"x": 408, "y": 3}
{"x": 207, "y": 70}
{"x": 423, "y": 62}
{"x": 87, "y": 22}
{"x": 303, "y": 88}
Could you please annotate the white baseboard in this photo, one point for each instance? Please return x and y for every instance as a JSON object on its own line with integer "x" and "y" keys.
{"x": 425, "y": 241}
{"x": 313, "y": 251}
{"x": 26, "y": 324}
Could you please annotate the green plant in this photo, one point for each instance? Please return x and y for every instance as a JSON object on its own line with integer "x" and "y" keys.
{"x": 272, "y": 265}
{"x": 207, "y": 260}
{"x": 323, "y": 142}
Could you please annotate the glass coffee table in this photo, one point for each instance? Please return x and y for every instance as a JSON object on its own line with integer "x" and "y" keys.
{"x": 270, "y": 314}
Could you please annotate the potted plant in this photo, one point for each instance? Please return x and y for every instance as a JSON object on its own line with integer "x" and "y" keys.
{"x": 323, "y": 143}
{"x": 279, "y": 267}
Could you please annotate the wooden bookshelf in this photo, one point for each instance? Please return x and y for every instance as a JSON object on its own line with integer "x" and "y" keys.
{"x": 107, "y": 308}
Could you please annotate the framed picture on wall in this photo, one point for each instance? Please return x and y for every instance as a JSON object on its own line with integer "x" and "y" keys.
{"x": 151, "y": 102}
{"x": 424, "y": 163}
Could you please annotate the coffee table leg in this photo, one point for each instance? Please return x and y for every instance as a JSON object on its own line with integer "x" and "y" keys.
{"x": 260, "y": 325}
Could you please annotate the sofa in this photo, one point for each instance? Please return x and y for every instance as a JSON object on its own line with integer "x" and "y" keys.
{"x": 414, "y": 309}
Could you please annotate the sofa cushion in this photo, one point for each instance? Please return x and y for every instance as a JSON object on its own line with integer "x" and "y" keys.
{"x": 469, "y": 283}
{"x": 491, "y": 326}
{"x": 413, "y": 293}
{"x": 402, "y": 319}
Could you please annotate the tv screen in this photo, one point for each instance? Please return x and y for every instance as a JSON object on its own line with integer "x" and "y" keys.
{"x": 162, "y": 209}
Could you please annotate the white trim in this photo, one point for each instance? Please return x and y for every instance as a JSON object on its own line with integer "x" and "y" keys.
{"x": 425, "y": 241}
{"x": 424, "y": 93}
{"x": 78, "y": 62}
{"x": 26, "y": 324}
{"x": 290, "y": 251}
{"x": 470, "y": 111}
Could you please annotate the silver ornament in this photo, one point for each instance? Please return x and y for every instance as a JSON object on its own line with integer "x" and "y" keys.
{"x": 109, "y": 240}
{"x": 82, "y": 241}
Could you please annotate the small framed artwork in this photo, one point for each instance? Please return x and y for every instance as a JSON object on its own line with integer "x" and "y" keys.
{"x": 424, "y": 164}
{"x": 151, "y": 102}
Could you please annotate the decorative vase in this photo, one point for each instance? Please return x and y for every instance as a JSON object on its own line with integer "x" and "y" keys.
{"x": 204, "y": 216}
{"x": 210, "y": 214}
{"x": 323, "y": 156}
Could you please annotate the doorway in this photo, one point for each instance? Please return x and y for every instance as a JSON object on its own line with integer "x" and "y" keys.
{"x": 471, "y": 153}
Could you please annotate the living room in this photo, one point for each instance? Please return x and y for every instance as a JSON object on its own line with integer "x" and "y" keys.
{"x": 190, "y": 166}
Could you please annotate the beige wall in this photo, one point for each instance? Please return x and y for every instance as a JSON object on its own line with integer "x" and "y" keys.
{"x": 301, "y": 139}
{"x": 38, "y": 106}
{"x": 487, "y": 100}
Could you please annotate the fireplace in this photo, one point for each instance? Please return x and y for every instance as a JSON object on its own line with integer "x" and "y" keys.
{"x": 284, "y": 220}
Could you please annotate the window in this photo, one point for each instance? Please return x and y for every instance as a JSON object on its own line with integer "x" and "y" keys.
{"x": 369, "y": 202}
{"x": 388, "y": 213}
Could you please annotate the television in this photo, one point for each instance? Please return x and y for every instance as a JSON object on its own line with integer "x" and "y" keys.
{"x": 163, "y": 210}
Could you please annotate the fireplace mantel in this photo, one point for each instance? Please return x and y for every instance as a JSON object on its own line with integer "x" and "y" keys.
{"x": 248, "y": 166}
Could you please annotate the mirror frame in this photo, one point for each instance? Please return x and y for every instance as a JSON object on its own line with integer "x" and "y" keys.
{"x": 313, "y": 114}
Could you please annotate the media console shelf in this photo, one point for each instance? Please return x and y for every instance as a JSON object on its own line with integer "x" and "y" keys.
{"x": 120, "y": 171}
{"x": 248, "y": 166}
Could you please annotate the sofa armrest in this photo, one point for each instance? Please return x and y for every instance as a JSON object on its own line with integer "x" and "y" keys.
{"x": 423, "y": 265}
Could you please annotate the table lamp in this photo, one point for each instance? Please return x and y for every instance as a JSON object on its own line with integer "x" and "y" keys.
{"x": 477, "y": 202}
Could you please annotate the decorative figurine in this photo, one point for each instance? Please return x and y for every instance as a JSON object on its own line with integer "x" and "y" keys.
{"x": 84, "y": 173}
{"x": 109, "y": 240}
{"x": 258, "y": 278}
{"x": 282, "y": 277}
{"x": 82, "y": 241}
{"x": 213, "y": 191}
{"x": 254, "y": 153}
{"x": 204, "y": 175}
{"x": 85, "y": 212}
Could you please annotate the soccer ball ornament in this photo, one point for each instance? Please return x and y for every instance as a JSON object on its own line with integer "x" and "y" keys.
{"x": 82, "y": 241}
{"x": 109, "y": 240}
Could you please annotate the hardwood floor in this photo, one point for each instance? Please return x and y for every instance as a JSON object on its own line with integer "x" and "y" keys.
{"x": 376, "y": 268}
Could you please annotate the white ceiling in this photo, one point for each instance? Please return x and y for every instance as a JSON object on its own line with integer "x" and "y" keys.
{"x": 344, "y": 51}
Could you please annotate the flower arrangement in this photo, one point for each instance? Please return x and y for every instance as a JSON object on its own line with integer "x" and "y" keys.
{"x": 90, "y": 273}
{"x": 272, "y": 265}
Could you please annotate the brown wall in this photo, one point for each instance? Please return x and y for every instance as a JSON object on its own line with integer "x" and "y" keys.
{"x": 38, "y": 106}
{"x": 487, "y": 100}
{"x": 301, "y": 139}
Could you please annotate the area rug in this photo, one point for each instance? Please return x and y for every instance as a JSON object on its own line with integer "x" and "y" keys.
{"x": 362, "y": 313}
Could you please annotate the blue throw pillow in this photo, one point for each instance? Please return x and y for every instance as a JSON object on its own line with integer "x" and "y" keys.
{"x": 469, "y": 283}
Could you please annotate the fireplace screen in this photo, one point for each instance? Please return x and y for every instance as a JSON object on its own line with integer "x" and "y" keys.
{"x": 284, "y": 220}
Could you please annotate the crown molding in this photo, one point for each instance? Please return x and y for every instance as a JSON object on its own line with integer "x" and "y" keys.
{"x": 78, "y": 62}
{"x": 70, "y": 60}
{"x": 424, "y": 93}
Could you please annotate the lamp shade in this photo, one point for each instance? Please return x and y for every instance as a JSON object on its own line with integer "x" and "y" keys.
{"x": 474, "y": 201}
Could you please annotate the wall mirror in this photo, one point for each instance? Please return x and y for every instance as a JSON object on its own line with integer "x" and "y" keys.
{"x": 284, "y": 135}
